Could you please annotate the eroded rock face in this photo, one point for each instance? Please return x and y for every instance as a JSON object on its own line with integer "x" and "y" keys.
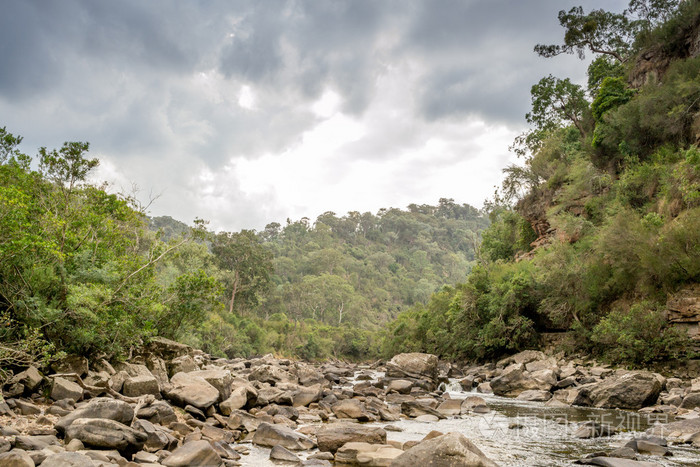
{"x": 515, "y": 380}
{"x": 101, "y": 407}
{"x": 193, "y": 390}
{"x": 632, "y": 390}
{"x": 332, "y": 436}
{"x": 193, "y": 454}
{"x": 449, "y": 450}
{"x": 106, "y": 434}
{"x": 413, "y": 365}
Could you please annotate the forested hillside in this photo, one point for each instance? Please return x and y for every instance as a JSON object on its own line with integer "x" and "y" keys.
{"x": 598, "y": 228}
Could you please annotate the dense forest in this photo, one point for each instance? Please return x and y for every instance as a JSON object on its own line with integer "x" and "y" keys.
{"x": 588, "y": 237}
{"x": 600, "y": 224}
{"x": 86, "y": 271}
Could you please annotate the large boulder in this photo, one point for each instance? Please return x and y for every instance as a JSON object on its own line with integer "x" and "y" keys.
{"x": 332, "y": 436}
{"x": 220, "y": 379}
{"x": 358, "y": 453}
{"x": 193, "y": 390}
{"x": 514, "y": 380}
{"x": 193, "y": 454}
{"x": 449, "y": 450}
{"x": 101, "y": 407}
{"x": 413, "y": 365}
{"x": 62, "y": 388}
{"x": 102, "y": 433}
{"x": 136, "y": 386}
{"x": 16, "y": 459}
{"x": 68, "y": 459}
{"x": 237, "y": 400}
{"x": 679, "y": 430}
{"x": 271, "y": 374}
{"x": 273, "y": 435}
{"x": 632, "y": 390}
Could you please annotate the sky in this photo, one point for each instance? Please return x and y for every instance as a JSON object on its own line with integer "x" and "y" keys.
{"x": 244, "y": 113}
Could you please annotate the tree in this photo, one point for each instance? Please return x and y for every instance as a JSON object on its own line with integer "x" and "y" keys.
{"x": 246, "y": 263}
{"x": 555, "y": 100}
{"x": 599, "y": 31}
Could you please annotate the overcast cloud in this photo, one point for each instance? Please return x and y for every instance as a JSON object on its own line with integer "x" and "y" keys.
{"x": 250, "y": 112}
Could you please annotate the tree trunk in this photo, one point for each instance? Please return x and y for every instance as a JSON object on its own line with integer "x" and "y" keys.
{"x": 233, "y": 293}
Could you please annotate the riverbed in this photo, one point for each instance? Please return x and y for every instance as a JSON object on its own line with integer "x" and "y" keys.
{"x": 518, "y": 433}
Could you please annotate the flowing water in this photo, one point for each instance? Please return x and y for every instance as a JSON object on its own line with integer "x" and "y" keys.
{"x": 519, "y": 433}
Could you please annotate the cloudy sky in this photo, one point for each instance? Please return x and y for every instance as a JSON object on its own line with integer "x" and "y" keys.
{"x": 249, "y": 112}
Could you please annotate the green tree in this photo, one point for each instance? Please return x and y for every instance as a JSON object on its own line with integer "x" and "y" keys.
{"x": 557, "y": 100}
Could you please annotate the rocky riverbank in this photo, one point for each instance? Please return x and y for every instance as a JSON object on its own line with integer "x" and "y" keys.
{"x": 175, "y": 406}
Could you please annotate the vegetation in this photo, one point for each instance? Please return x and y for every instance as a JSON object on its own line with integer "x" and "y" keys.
{"x": 609, "y": 189}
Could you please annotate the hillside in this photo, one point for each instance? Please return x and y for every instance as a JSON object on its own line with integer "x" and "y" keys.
{"x": 596, "y": 235}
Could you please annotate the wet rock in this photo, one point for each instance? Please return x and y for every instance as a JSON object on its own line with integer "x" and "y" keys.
{"x": 272, "y": 435}
{"x": 513, "y": 380}
{"x": 62, "y": 388}
{"x": 102, "y": 433}
{"x": 691, "y": 401}
{"x": 623, "y": 453}
{"x": 605, "y": 461}
{"x": 484, "y": 388}
{"x": 450, "y": 450}
{"x": 648, "y": 447}
{"x": 676, "y": 430}
{"x": 594, "y": 429}
{"x": 331, "y": 437}
{"x": 632, "y": 390}
{"x": 413, "y": 365}
{"x": 416, "y": 409}
{"x": 535, "y": 396}
{"x": 193, "y": 454}
{"x": 402, "y": 386}
{"x": 450, "y": 407}
{"x": 101, "y": 407}
{"x": 279, "y": 453}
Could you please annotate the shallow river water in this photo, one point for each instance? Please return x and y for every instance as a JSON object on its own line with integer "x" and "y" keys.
{"x": 544, "y": 437}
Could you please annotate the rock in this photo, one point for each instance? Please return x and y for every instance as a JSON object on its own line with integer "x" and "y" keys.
{"x": 331, "y": 437}
{"x": 594, "y": 430}
{"x": 309, "y": 376}
{"x": 158, "y": 369}
{"x": 68, "y": 459}
{"x": 279, "y": 453}
{"x": 101, "y": 407}
{"x": 450, "y": 450}
{"x": 271, "y": 374}
{"x": 61, "y": 388}
{"x": 414, "y": 365}
{"x": 137, "y": 386}
{"x": 676, "y": 430}
{"x": 102, "y": 433}
{"x": 144, "y": 457}
{"x": 182, "y": 364}
{"x": 535, "y": 396}
{"x": 691, "y": 401}
{"x": 168, "y": 349}
{"x": 156, "y": 439}
{"x": 192, "y": 390}
{"x": 522, "y": 358}
{"x": 273, "y": 395}
{"x": 272, "y": 435}
{"x": 471, "y": 402}
{"x": 484, "y": 388}
{"x": 623, "y": 453}
{"x": 16, "y": 459}
{"x": 616, "y": 462}
{"x": 237, "y": 400}
{"x": 351, "y": 408}
{"x": 220, "y": 379}
{"x": 305, "y": 395}
{"x": 416, "y": 409}
{"x": 427, "y": 418}
{"x": 71, "y": 364}
{"x": 648, "y": 447}
{"x": 29, "y": 378}
{"x": 632, "y": 390}
{"x": 193, "y": 454}
{"x": 159, "y": 412}
{"x": 26, "y": 408}
{"x": 358, "y": 453}
{"x": 116, "y": 381}
{"x": 450, "y": 407}
{"x": 402, "y": 386}
{"x": 513, "y": 381}
{"x": 35, "y": 443}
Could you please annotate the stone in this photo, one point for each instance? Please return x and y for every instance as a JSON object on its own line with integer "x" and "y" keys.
{"x": 449, "y": 450}
{"x": 594, "y": 430}
{"x": 484, "y": 388}
{"x": 144, "y": 457}
{"x": 71, "y": 364}
{"x": 16, "y": 459}
{"x": 68, "y": 459}
{"x": 237, "y": 400}
{"x": 648, "y": 447}
{"x": 358, "y": 453}
{"x": 158, "y": 369}
{"x": 182, "y": 364}
{"x": 100, "y": 407}
{"x": 102, "y": 433}
{"x": 191, "y": 390}
{"x": 116, "y": 381}
{"x": 413, "y": 365}
{"x": 632, "y": 390}
{"x": 271, "y": 374}
{"x": 427, "y": 418}
{"x": 351, "y": 408}
{"x": 534, "y": 395}
{"x": 159, "y": 412}
{"x": 331, "y": 437}
{"x": 676, "y": 430}
{"x": 35, "y": 443}
{"x": 62, "y": 388}
{"x": 416, "y": 409}
{"x": 691, "y": 401}
{"x": 26, "y": 408}
{"x": 272, "y": 435}
{"x": 29, "y": 378}
{"x": 450, "y": 407}
{"x": 513, "y": 380}
{"x": 220, "y": 379}
{"x": 605, "y": 461}
{"x": 193, "y": 454}
{"x": 168, "y": 349}
{"x": 137, "y": 386}
{"x": 282, "y": 454}
{"x": 156, "y": 438}
{"x": 306, "y": 395}
{"x": 402, "y": 386}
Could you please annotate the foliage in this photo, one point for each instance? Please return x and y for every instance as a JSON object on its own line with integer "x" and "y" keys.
{"x": 556, "y": 100}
